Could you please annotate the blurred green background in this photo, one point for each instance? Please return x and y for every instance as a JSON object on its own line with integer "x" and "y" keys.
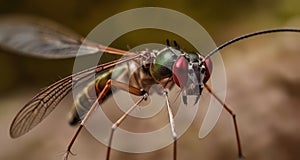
{"x": 263, "y": 80}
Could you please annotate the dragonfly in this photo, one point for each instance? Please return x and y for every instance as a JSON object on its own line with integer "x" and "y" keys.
{"x": 169, "y": 67}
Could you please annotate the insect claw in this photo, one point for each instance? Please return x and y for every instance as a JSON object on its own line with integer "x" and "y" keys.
{"x": 66, "y": 156}
{"x": 241, "y": 157}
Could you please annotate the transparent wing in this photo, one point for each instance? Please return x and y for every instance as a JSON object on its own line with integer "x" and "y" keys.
{"x": 40, "y": 106}
{"x": 43, "y": 38}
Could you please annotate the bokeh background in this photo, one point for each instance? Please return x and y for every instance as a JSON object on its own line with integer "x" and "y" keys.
{"x": 262, "y": 73}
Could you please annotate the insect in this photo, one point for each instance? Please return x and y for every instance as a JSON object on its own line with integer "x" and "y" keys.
{"x": 168, "y": 67}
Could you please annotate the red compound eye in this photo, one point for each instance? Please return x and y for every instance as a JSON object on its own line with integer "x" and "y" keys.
{"x": 180, "y": 71}
{"x": 209, "y": 67}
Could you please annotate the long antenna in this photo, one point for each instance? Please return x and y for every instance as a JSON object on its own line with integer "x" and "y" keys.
{"x": 248, "y": 36}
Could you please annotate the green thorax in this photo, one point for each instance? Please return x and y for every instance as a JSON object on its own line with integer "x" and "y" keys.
{"x": 162, "y": 65}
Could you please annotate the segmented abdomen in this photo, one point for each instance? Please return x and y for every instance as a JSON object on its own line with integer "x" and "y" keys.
{"x": 131, "y": 73}
{"x": 85, "y": 99}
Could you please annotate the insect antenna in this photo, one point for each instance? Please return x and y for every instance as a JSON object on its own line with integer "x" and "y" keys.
{"x": 176, "y": 45}
{"x": 168, "y": 42}
{"x": 245, "y": 36}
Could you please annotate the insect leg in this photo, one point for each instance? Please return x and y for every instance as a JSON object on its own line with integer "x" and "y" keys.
{"x": 132, "y": 90}
{"x": 101, "y": 95}
{"x": 172, "y": 125}
{"x": 231, "y": 112}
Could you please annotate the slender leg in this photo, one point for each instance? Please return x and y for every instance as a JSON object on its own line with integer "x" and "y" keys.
{"x": 132, "y": 90}
{"x": 172, "y": 125}
{"x": 108, "y": 85}
{"x": 101, "y": 95}
{"x": 118, "y": 123}
{"x": 231, "y": 112}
